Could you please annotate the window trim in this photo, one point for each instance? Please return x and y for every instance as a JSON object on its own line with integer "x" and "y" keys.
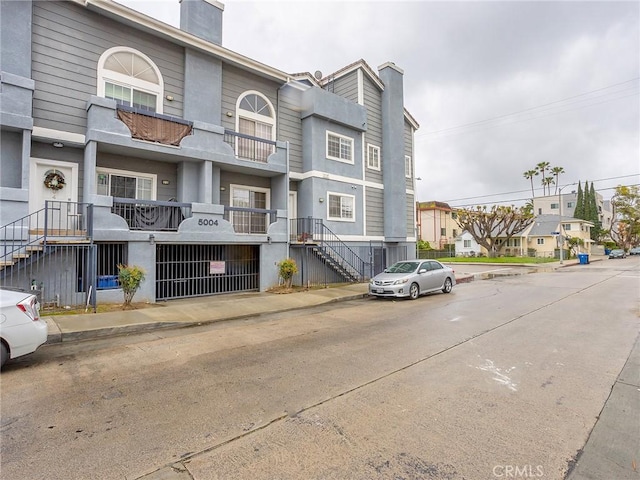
{"x": 256, "y": 117}
{"x": 408, "y": 162}
{"x": 540, "y": 241}
{"x": 375, "y": 148}
{"x": 341, "y": 137}
{"x": 341, "y": 219}
{"x": 104, "y": 75}
{"x": 131, "y": 174}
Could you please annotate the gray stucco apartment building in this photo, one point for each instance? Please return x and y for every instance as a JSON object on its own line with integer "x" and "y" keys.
{"x": 128, "y": 141}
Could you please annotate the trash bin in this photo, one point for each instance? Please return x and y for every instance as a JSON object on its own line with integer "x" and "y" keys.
{"x": 584, "y": 258}
{"x": 607, "y": 251}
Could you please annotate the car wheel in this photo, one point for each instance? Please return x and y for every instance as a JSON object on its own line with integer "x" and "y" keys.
{"x": 414, "y": 291}
{"x": 448, "y": 285}
{"x": 5, "y": 354}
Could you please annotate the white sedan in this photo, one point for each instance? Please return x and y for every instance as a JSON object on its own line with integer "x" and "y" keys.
{"x": 412, "y": 278}
{"x": 22, "y": 330}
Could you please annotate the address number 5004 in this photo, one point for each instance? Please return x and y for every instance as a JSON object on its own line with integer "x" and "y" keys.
{"x": 207, "y": 222}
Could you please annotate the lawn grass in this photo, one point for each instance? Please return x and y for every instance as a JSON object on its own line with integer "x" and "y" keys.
{"x": 497, "y": 260}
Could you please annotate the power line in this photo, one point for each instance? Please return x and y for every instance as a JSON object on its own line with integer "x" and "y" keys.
{"x": 528, "y": 189}
{"x": 512, "y": 200}
{"x": 479, "y": 122}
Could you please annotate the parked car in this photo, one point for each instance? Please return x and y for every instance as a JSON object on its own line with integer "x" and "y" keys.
{"x": 412, "y": 278}
{"x": 617, "y": 253}
{"x": 634, "y": 251}
{"x": 22, "y": 330}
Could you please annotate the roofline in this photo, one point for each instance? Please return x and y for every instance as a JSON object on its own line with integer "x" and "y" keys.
{"x": 411, "y": 120}
{"x": 352, "y": 68}
{"x": 126, "y": 14}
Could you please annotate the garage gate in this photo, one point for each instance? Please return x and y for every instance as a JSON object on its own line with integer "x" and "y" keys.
{"x": 184, "y": 271}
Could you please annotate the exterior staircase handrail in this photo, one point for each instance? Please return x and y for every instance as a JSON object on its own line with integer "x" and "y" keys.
{"x": 330, "y": 241}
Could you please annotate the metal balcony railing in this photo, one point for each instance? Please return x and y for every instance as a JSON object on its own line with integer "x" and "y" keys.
{"x": 248, "y": 147}
{"x": 249, "y": 220}
{"x": 151, "y": 215}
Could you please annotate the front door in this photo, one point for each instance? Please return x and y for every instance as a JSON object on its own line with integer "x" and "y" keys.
{"x": 57, "y": 182}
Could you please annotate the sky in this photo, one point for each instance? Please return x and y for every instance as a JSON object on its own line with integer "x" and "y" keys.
{"x": 497, "y": 87}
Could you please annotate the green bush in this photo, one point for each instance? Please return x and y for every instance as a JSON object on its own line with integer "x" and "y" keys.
{"x": 287, "y": 268}
{"x": 130, "y": 277}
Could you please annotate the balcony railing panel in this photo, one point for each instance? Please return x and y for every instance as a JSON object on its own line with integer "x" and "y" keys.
{"x": 248, "y": 147}
{"x": 151, "y": 215}
{"x": 249, "y": 220}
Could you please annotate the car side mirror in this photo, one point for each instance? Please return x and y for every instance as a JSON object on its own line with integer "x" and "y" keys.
{"x": 422, "y": 270}
{"x": 386, "y": 271}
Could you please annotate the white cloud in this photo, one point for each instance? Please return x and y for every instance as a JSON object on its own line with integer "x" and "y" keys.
{"x": 467, "y": 62}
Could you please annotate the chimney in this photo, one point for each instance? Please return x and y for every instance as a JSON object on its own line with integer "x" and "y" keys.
{"x": 202, "y": 18}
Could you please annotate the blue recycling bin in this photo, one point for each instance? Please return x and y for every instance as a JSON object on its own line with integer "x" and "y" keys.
{"x": 607, "y": 251}
{"x": 584, "y": 258}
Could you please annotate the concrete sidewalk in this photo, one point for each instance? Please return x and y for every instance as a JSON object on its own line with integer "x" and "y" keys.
{"x": 192, "y": 311}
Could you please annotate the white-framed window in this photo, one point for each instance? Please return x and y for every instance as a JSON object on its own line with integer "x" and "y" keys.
{"x": 250, "y": 197}
{"x": 339, "y": 147}
{"x": 255, "y": 117}
{"x": 130, "y": 78}
{"x": 554, "y": 206}
{"x": 467, "y": 243}
{"x": 570, "y": 204}
{"x": 513, "y": 242}
{"x": 373, "y": 157}
{"x": 540, "y": 241}
{"x": 408, "y": 167}
{"x": 566, "y": 226}
{"x": 124, "y": 184}
{"x": 341, "y": 207}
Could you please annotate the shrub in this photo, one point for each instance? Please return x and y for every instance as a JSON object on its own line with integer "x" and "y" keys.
{"x": 130, "y": 277}
{"x": 287, "y": 268}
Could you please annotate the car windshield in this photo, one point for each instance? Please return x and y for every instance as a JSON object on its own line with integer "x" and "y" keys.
{"x": 403, "y": 267}
{"x": 616, "y": 251}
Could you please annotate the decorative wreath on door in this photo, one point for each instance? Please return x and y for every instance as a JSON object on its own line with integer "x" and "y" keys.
{"x": 54, "y": 180}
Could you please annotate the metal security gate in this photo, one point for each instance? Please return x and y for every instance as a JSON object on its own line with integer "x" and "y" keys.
{"x": 196, "y": 270}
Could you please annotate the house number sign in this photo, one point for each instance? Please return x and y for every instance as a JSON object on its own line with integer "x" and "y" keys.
{"x": 207, "y": 222}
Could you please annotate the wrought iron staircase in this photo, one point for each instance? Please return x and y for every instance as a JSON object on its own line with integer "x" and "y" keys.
{"x": 328, "y": 248}
{"x": 26, "y": 243}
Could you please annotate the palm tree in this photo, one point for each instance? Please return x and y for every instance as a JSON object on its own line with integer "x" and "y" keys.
{"x": 557, "y": 171}
{"x": 542, "y": 168}
{"x": 529, "y": 174}
{"x": 548, "y": 182}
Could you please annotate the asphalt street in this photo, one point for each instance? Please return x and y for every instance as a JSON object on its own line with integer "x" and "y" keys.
{"x": 503, "y": 376}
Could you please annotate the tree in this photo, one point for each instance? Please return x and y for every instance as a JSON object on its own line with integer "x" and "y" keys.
{"x": 287, "y": 268}
{"x": 557, "y": 171}
{"x": 579, "y": 211}
{"x": 542, "y": 168}
{"x": 130, "y": 278}
{"x": 625, "y": 230}
{"x": 548, "y": 182}
{"x": 529, "y": 174}
{"x": 594, "y": 214}
{"x": 494, "y": 227}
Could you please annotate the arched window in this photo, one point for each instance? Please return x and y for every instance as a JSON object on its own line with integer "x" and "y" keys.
{"x": 130, "y": 78}
{"x": 256, "y": 117}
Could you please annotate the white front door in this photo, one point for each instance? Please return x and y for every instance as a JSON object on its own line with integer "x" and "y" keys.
{"x": 57, "y": 181}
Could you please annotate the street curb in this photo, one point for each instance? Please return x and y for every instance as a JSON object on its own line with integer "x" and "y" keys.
{"x": 57, "y": 336}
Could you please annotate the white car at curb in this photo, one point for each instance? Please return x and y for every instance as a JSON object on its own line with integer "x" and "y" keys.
{"x": 22, "y": 330}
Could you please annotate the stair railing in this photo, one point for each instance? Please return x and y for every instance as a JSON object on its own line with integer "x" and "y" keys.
{"x": 339, "y": 251}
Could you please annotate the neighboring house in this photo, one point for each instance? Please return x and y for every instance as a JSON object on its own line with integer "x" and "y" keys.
{"x": 550, "y": 205}
{"x": 156, "y": 146}
{"x": 542, "y": 237}
{"x": 466, "y": 245}
{"x": 436, "y": 223}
